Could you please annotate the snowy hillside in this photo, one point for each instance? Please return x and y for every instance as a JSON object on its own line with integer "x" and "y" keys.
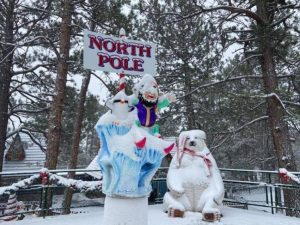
{"x": 94, "y": 215}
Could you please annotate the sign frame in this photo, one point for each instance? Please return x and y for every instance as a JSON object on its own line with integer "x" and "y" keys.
{"x": 113, "y": 54}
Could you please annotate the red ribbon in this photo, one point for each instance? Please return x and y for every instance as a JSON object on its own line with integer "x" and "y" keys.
{"x": 205, "y": 158}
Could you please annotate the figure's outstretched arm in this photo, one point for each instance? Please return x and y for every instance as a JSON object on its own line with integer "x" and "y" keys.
{"x": 165, "y": 100}
{"x": 133, "y": 100}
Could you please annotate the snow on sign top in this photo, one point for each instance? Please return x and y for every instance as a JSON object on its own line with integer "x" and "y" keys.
{"x": 112, "y": 54}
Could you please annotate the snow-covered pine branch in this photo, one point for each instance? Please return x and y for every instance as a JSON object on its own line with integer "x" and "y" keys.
{"x": 76, "y": 184}
{"x": 221, "y": 82}
{"x": 292, "y": 103}
{"x": 71, "y": 183}
{"x": 234, "y": 131}
{"x": 28, "y": 70}
{"x": 20, "y": 184}
{"x": 14, "y": 132}
{"x": 249, "y": 123}
{"x": 29, "y": 111}
{"x": 270, "y": 95}
{"x": 29, "y": 132}
{"x": 276, "y": 23}
{"x": 229, "y": 79}
{"x": 83, "y": 186}
{"x": 32, "y": 138}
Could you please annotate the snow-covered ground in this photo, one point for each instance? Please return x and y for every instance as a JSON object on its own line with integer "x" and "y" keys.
{"x": 231, "y": 216}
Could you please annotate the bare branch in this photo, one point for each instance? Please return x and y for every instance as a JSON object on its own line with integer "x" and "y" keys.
{"x": 27, "y": 95}
{"x": 31, "y": 69}
{"x": 14, "y": 132}
{"x": 220, "y": 143}
{"x": 102, "y": 81}
{"x": 249, "y": 123}
{"x": 281, "y": 20}
{"x": 232, "y": 9}
{"x": 27, "y": 131}
{"x": 297, "y": 104}
{"x": 234, "y": 131}
{"x": 229, "y": 80}
{"x": 220, "y": 82}
{"x": 12, "y": 112}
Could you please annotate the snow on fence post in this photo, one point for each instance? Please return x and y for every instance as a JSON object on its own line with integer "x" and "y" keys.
{"x": 287, "y": 176}
{"x": 44, "y": 175}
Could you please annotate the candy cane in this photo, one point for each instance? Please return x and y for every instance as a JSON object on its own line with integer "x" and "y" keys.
{"x": 122, "y": 81}
{"x": 11, "y": 208}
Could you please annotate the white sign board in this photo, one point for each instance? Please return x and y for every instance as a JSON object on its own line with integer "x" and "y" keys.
{"x": 112, "y": 54}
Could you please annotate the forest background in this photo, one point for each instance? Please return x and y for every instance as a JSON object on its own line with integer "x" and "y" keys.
{"x": 233, "y": 65}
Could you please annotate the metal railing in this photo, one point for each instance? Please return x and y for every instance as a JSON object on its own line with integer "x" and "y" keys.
{"x": 35, "y": 195}
{"x": 259, "y": 189}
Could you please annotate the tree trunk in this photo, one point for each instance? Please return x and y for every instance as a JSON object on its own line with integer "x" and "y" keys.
{"x": 6, "y": 58}
{"x": 275, "y": 110}
{"x": 68, "y": 194}
{"x": 76, "y": 140}
{"x": 54, "y": 130}
{"x": 54, "y": 127}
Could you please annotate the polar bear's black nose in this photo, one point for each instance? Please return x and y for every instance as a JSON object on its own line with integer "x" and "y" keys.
{"x": 192, "y": 143}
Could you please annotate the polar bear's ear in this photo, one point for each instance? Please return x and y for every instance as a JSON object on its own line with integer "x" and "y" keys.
{"x": 202, "y": 135}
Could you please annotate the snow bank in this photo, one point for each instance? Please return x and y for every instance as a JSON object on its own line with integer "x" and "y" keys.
{"x": 231, "y": 216}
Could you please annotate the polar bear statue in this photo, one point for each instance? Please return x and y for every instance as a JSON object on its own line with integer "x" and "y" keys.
{"x": 194, "y": 179}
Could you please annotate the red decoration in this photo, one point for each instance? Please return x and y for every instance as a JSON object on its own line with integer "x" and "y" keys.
{"x": 45, "y": 177}
{"x": 284, "y": 176}
{"x": 169, "y": 149}
{"x": 21, "y": 157}
{"x": 122, "y": 83}
{"x": 141, "y": 143}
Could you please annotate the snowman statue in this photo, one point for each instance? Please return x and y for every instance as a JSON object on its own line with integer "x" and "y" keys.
{"x": 130, "y": 155}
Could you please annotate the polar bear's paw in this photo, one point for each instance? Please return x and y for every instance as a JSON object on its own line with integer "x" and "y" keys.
{"x": 175, "y": 212}
{"x": 211, "y": 215}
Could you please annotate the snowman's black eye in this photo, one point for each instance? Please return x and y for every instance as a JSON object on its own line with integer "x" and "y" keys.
{"x": 118, "y": 100}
